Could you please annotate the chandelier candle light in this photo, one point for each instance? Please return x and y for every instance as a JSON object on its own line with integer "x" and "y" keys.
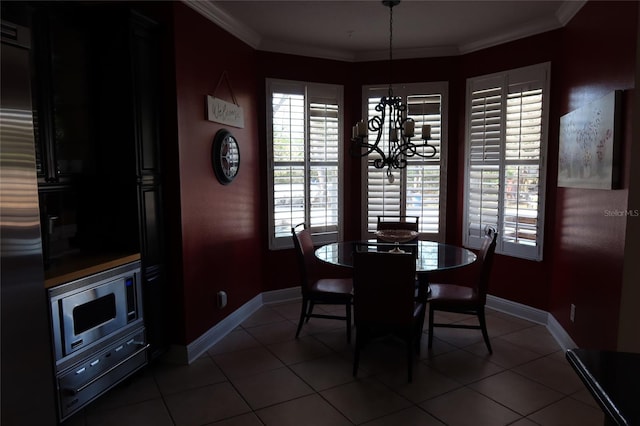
{"x": 391, "y": 119}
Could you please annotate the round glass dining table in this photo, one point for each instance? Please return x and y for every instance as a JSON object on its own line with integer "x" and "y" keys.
{"x": 431, "y": 255}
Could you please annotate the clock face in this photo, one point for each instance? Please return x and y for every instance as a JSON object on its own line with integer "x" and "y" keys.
{"x": 225, "y": 156}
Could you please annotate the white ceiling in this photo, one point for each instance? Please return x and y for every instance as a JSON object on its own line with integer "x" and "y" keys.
{"x": 358, "y": 30}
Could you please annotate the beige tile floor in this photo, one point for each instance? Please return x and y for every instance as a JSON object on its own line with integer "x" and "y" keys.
{"x": 260, "y": 374}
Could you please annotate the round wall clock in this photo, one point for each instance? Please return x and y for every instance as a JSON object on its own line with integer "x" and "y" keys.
{"x": 225, "y": 156}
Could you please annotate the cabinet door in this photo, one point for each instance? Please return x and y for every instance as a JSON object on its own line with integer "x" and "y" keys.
{"x": 143, "y": 39}
{"x": 154, "y": 286}
{"x": 145, "y": 55}
{"x": 64, "y": 81}
{"x": 151, "y": 238}
{"x": 154, "y": 303}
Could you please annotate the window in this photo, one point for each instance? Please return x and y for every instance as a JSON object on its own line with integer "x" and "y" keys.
{"x": 507, "y": 115}
{"x": 420, "y": 188}
{"x": 304, "y": 131}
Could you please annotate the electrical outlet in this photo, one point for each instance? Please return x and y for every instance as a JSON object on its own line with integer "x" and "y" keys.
{"x": 572, "y": 313}
{"x": 222, "y": 299}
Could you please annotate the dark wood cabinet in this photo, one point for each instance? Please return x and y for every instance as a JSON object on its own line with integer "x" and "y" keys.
{"x": 64, "y": 86}
{"x": 145, "y": 60}
{"x": 97, "y": 101}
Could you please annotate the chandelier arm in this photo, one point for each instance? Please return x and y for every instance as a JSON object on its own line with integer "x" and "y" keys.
{"x": 413, "y": 148}
{"x": 376, "y": 123}
{"x": 359, "y": 143}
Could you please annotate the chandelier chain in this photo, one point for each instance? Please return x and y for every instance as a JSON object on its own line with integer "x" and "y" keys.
{"x": 393, "y": 123}
{"x": 390, "y": 50}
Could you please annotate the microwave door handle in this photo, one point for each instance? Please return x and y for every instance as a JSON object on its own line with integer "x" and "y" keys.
{"x": 104, "y": 373}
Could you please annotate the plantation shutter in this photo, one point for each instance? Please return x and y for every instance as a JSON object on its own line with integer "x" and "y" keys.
{"x": 304, "y": 130}
{"x": 424, "y": 174}
{"x": 417, "y": 190}
{"x": 523, "y": 142}
{"x": 323, "y": 168}
{"x": 288, "y": 161}
{"x": 505, "y": 167}
{"x": 485, "y": 132}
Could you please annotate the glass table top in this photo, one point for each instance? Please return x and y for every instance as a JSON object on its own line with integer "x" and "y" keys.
{"x": 431, "y": 256}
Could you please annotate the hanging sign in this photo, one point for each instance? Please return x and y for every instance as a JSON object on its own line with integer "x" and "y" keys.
{"x": 223, "y": 112}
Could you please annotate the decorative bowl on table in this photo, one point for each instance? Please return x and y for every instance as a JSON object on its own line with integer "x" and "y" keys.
{"x": 396, "y": 236}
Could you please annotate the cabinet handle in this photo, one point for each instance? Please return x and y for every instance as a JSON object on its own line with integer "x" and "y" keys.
{"x": 95, "y": 379}
{"x": 152, "y": 273}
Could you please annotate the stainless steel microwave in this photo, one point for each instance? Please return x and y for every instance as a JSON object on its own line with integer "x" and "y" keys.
{"x": 93, "y": 309}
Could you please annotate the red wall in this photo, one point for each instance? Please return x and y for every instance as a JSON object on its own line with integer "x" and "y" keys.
{"x": 598, "y": 56}
{"x": 220, "y": 225}
{"x": 223, "y": 228}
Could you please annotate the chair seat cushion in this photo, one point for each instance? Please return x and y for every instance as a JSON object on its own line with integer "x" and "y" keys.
{"x": 337, "y": 286}
{"x": 441, "y": 294}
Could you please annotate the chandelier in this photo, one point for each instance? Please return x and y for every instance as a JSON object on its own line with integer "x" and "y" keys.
{"x": 393, "y": 122}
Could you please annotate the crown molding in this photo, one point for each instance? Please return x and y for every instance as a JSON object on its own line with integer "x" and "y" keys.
{"x": 364, "y": 56}
{"x": 225, "y": 21}
{"x": 524, "y": 31}
{"x": 303, "y": 50}
{"x": 420, "y": 52}
{"x": 568, "y": 10}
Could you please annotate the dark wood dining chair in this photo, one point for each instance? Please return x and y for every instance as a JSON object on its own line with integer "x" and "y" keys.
{"x": 468, "y": 298}
{"x": 318, "y": 289}
{"x": 383, "y": 299}
{"x": 409, "y": 223}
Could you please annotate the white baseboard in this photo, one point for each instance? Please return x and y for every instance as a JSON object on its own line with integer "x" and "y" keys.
{"x": 562, "y": 337}
{"x": 517, "y": 310}
{"x": 191, "y": 352}
{"x": 534, "y": 315}
{"x": 283, "y": 295}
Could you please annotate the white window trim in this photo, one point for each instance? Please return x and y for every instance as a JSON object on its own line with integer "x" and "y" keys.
{"x": 334, "y": 92}
{"x": 519, "y": 75}
{"x": 441, "y": 87}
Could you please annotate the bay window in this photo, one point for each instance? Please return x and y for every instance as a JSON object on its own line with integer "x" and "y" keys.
{"x": 420, "y": 188}
{"x": 506, "y": 133}
{"x": 304, "y": 132}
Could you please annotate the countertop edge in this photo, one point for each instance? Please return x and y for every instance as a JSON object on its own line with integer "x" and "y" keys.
{"x": 600, "y": 395}
{"x": 100, "y": 266}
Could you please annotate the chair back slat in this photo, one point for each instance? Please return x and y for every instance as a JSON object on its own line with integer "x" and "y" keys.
{"x": 384, "y": 286}
{"x": 409, "y": 223}
{"x": 304, "y": 248}
{"x": 398, "y": 222}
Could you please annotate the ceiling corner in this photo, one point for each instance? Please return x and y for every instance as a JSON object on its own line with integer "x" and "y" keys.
{"x": 225, "y": 21}
{"x": 568, "y": 10}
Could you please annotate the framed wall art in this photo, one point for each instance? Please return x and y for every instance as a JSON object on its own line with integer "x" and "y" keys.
{"x": 589, "y": 154}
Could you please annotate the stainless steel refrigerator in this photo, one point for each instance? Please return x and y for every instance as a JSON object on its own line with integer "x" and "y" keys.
{"x": 27, "y": 390}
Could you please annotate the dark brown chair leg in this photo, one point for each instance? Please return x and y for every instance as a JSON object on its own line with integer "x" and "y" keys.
{"x": 483, "y": 327}
{"x": 360, "y": 337}
{"x": 311, "y": 305}
{"x": 418, "y": 336}
{"x": 410, "y": 356}
{"x": 303, "y": 313}
{"x": 430, "y": 326}
{"x": 348, "y": 307}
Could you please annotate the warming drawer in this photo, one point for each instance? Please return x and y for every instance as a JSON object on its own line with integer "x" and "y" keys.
{"x": 91, "y": 378}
